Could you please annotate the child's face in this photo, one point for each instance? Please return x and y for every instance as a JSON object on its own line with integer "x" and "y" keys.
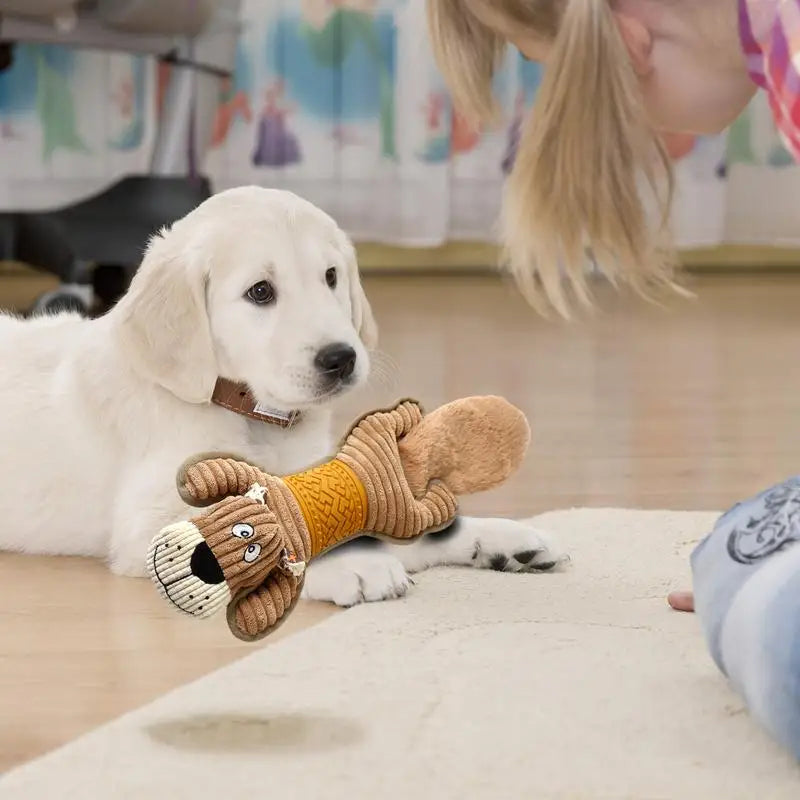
{"x": 693, "y": 80}
{"x": 694, "y": 76}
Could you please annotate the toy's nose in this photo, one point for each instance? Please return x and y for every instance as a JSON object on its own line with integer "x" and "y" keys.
{"x": 205, "y": 567}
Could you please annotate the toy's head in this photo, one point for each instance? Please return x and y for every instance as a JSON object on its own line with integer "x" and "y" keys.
{"x": 203, "y": 565}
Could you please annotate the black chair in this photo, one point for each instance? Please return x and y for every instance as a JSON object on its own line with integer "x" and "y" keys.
{"x": 94, "y": 246}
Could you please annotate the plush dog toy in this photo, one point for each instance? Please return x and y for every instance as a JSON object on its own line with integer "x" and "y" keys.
{"x": 395, "y": 476}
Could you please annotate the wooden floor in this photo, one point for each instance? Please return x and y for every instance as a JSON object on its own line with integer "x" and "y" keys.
{"x": 690, "y": 407}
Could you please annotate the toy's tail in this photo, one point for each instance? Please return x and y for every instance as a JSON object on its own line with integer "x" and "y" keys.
{"x": 472, "y": 445}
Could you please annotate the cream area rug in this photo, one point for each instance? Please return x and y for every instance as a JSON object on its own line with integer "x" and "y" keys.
{"x": 581, "y": 684}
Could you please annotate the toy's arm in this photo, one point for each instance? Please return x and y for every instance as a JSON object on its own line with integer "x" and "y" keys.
{"x": 206, "y": 479}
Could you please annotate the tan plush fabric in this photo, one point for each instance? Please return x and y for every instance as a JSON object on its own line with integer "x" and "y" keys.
{"x": 262, "y": 591}
{"x": 256, "y": 614}
{"x": 372, "y": 451}
{"x": 216, "y": 526}
{"x": 258, "y": 610}
{"x": 472, "y": 445}
{"x": 396, "y": 475}
{"x": 205, "y": 479}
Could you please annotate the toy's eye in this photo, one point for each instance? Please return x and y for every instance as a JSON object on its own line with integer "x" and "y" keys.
{"x": 241, "y": 530}
{"x": 252, "y": 553}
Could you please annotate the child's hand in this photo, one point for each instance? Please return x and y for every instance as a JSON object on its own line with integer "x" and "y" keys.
{"x": 681, "y": 601}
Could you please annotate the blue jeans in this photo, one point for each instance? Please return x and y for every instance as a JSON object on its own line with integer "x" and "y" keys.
{"x": 747, "y": 596}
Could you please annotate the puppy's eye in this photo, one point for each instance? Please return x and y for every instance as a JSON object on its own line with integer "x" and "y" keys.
{"x": 252, "y": 553}
{"x": 262, "y": 293}
{"x": 331, "y": 277}
{"x": 241, "y": 530}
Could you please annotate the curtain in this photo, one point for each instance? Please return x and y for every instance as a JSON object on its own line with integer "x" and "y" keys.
{"x": 71, "y": 122}
{"x": 340, "y": 101}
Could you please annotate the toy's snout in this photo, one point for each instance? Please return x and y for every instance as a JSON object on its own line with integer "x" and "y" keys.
{"x": 186, "y": 572}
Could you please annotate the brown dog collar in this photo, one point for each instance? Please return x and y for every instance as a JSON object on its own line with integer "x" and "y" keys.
{"x": 238, "y": 398}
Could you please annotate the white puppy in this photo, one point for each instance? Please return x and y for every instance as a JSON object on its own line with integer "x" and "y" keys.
{"x": 255, "y": 286}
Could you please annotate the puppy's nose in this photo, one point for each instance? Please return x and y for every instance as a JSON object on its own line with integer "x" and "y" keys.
{"x": 205, "y": 566}
{"x": 336, "y": 360}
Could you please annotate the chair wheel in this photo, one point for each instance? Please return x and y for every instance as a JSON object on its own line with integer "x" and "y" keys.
{"x": 66, "y": 298}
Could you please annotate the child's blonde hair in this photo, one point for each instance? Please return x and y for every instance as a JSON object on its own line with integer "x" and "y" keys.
{"x": 576, "y": 183}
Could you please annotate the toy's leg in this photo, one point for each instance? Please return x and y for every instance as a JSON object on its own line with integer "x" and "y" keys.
{"x": 746, "y": 576}
{"x": 485, "y": 543}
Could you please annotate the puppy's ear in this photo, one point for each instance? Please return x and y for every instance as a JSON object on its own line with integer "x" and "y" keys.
{"x": 163, "y": 321}
{"x": 363, "y": 319}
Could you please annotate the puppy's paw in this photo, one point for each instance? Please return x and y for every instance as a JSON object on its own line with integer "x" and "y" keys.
{"x": 348, "y": 578}
{"x": 485, "y": 543}
{"x": 509, "y": 546}
{"x": 128, "y": 564}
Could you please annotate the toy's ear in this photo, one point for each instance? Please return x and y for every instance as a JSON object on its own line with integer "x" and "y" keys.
{"x": 363, "y": 319}
{"x": 255, "y": 614}
{"x": 210, "y": 477}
